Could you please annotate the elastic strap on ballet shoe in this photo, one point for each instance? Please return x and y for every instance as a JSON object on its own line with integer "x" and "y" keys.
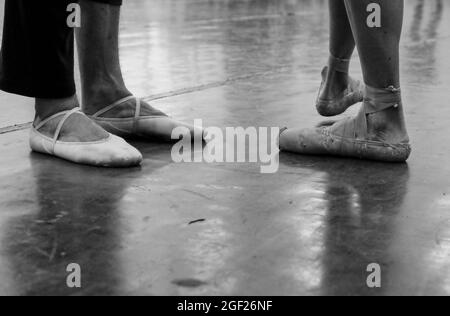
{"x": 377, "y": 100}
{"x": 137, "y": 114}
{"x": 65, "y": 115}
{"x": 338, "y": 64}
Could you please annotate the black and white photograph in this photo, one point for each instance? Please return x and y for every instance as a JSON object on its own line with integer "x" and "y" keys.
{"x": 220, "y": 155}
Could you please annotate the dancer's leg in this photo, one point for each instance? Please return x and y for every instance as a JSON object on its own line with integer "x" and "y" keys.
{"x": 378, "y": 131}
{"x": 338, "y": 90}
{"x": 380, "y": 60}
{"x": 102, "y": 80}
{"x": 342, "y": 43}
{"x": 98, "y": 46}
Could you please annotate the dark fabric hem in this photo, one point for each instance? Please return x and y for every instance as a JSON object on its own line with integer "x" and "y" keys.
{"x": 20, "y": 88}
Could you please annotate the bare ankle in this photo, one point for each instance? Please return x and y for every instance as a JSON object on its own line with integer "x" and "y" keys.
{"x": 48, "y": 107}
{"x": 388, "y": 125}
{"x": 100, "y": 95}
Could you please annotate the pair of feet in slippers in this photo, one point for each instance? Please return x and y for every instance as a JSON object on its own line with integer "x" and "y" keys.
{"x": 96, "y": 138}
{"x": 377, "y": 132}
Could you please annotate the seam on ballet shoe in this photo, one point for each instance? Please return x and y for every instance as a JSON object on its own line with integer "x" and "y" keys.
{"x": 327, "y": 133}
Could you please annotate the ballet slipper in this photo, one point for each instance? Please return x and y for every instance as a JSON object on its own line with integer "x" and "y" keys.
{"x": 158, "y": 126}
{"x": 351, "y": 95}
{"x": 112, "y": 151}
{"x": 349, "y": 137}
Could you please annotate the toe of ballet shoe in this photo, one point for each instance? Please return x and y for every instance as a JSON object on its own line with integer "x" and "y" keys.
{"x": 168, "y": 129}
{"x": 306, "y": 141}
{"x": 117, "y": 153}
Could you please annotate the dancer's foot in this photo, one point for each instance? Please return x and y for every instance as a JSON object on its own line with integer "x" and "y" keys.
{"x": 61, "y": 130}
{"x": 77, "y": 128}
{"x": 338, "y": 90}
{"x": 125, "y": 115}
{"x": 378, "y": 132}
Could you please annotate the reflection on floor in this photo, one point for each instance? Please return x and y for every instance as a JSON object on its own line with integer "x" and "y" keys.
{"x": 311, "y": 228}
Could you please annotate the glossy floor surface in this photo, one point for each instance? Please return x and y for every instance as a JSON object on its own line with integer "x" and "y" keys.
{"x": 312, "y": 228}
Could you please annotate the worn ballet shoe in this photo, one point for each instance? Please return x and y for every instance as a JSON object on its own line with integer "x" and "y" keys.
{"x": 350, "y": 137}
{"x": 351, "y": 95}
{"x": 112, "y": 151}
{"x": 158, "y": 127}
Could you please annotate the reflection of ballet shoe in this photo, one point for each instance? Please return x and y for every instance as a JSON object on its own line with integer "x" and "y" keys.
{"x": 350, "y": 137}
{"x": 112, "y": 151}
{"x": 351, "y": 95}
{"x": 158, "y": 127}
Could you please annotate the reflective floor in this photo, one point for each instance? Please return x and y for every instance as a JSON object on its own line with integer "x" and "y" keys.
{"x": 312, "y": 228}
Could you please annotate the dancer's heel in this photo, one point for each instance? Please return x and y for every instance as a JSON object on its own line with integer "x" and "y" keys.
{"x": 352, "y": 94}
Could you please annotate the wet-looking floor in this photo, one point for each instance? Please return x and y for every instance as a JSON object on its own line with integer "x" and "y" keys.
{"x": 200, "y": 229}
